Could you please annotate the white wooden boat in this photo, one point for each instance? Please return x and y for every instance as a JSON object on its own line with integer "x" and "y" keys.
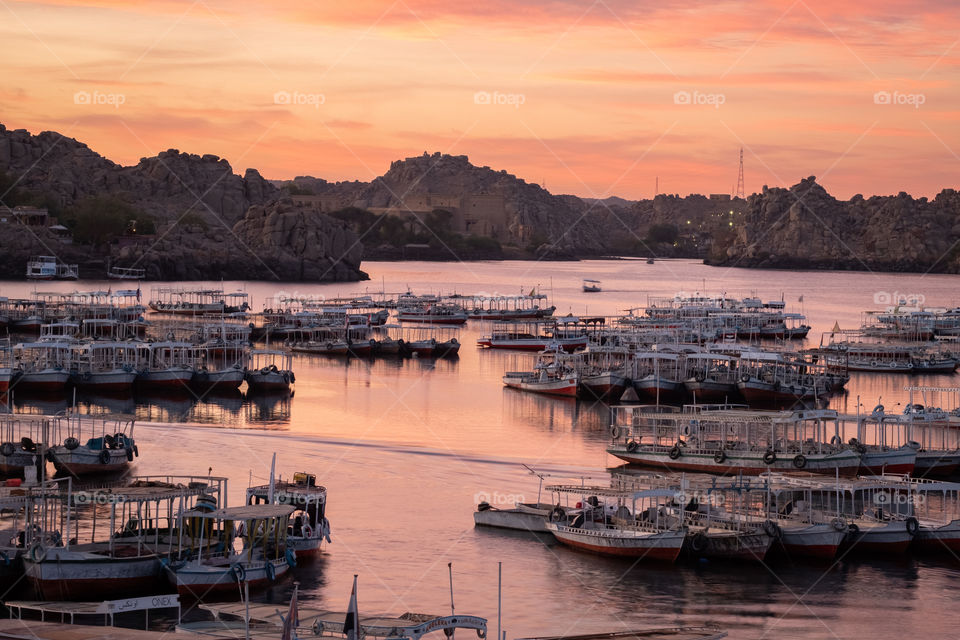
{"x": 86, "y": 446}
{"x": 732, "y": 441}
{"x": 234, "y": 546}
{"x": 591, "y": 286}
{"x": 270, "y": 370}
{"x": 308, "y": 527}
{"x": 125, "y": 555}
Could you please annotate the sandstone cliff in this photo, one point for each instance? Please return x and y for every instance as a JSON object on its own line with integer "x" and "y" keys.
{"x": 806, "y": 227}
{"x": 196, "y": 202}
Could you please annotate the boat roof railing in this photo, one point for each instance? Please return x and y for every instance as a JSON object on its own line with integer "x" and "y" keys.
{"x": 323, "y": 622}
{"x": 246, "y": 512}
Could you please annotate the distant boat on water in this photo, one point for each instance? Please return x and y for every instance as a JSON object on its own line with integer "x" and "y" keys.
{"x": 591, "y": 286}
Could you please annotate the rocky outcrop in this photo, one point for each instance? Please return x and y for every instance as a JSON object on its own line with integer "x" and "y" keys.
{"x": 164, "y": 186}
{"x": 806, "y": 227}
{"x": 271, "y": 242}
{"x": 299, "y": 244}
{"x": 211, "y": 223}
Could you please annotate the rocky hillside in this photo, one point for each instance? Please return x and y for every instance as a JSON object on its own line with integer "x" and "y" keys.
{"x": 806, "y": 227}
{"x": 194, "y": 201}
{"x": 164, "y": 185}
{"x": 276, "y": 241}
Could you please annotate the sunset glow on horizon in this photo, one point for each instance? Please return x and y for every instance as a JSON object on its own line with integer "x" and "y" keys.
{"x": 592, "y": 99}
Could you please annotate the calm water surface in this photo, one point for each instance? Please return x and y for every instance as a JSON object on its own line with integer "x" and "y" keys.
{"x": 406, "y": 447}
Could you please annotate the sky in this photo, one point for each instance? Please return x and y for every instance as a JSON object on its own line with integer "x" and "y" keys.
{"x": 591, "y": 98}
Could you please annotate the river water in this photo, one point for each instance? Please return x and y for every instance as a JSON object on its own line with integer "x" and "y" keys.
{"x": 407, "y": 448}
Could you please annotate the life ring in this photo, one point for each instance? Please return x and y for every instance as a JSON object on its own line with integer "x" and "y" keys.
{"x": 675, "y": 452}
{"x": 271, "y": 571}
{"x": 745, "y": 377}
{"x": 836, "y": 441}
{"x": 685, "y": 431}
{"x": 700, "y": 377}
{"x": 291, "y": 558}
{"x": 615, "y": 432}
{"x": 37, "y": 552}
{"x": 913, "y": 526}
{"x": 7, "y": 449}
{"x": 632, "y": 446}
{"x": 699, "y": 542}
{"x": 852, "y": 529}
{"x": 129, "y": 454}
{"x": 878, "y": 409}
{"x": 307, "y": 531}
{"x": 772, "y": 529}
{"x": 799, "y": 461}
{"x": 104, "y": 457}
{"x": 769, "y": 457}
{"x": 557, "y": 514}
{"x": 71, "y": 443}
{"x": 839, "y": 524}
{"x": 318, "y": 627}
{"x": 238, "y": 572}
{"x": 720, "y": 456}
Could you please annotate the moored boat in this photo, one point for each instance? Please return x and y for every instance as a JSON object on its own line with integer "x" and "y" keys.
{"x": 86, "y": 446}
{"x": 308, "y": 526}
{"x": 732, "y": 441}
{"x": 235, "y": 546}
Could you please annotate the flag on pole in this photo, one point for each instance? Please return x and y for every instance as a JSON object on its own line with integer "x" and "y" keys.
{"x": 292, "y": 621}
{"x": 351, "y": 624}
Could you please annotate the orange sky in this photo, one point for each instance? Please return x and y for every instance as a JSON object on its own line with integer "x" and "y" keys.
{"x": 588, "y": 92}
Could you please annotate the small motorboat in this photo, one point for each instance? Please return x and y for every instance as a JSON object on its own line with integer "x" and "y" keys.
{"x": 591, "y": 286}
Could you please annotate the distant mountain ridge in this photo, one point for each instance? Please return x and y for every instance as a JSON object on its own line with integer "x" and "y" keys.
{"x": 247, "y": 226}
{"x": 199, "y": 205}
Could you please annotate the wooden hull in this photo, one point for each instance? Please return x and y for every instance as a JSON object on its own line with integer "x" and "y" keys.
{"x": 895, "y": 461}
{"x": 661, "y": 546}
{"x": 746, "y": 462}
{"x": 515, "y": 519}
{"x": 728, "y": 545}
{"x": 711, "y": 390}
{"x": 226, "y": 379}
{"x": 567, "y": 388}
{"x": 198, "y": 581}
{"x": 73, "y": 575}
{"x": 175, "y": 377}
{"x": 426, "y": 319}
{"x": 536, "y": 344}
{"x": 46, "y": 381}
{"x": 938, "y": 539}
{"x": 84, "y": 462}
{"x": 605, "y": 385}
{"x": 936, "y": 464}
{"x": 889, "y": 538}
{"x": 107, "y": 380}
{"x": 812, "y": 541}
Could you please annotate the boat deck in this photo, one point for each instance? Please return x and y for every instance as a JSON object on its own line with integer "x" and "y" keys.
{"x": 14, "y": 629}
